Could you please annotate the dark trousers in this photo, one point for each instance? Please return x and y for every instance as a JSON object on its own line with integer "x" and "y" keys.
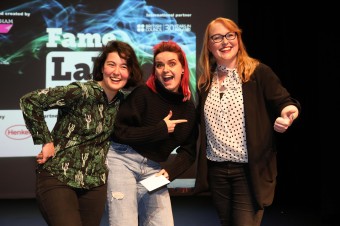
{"x": 232, "y": 197}
{"x": 62, "y": 205}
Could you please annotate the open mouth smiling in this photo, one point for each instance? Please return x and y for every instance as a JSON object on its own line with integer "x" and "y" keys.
{"x": 167, "y": 79}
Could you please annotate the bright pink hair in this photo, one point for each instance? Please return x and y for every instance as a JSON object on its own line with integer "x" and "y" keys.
{"x": 171, "y": 46}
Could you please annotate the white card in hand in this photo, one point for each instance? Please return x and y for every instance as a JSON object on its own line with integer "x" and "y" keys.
{"x": 153, "y": 182}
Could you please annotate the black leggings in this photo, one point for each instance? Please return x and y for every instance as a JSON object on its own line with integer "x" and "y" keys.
{"x": 63, "y": 205}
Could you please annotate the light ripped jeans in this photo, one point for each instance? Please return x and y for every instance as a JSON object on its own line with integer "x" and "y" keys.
{"x": 128, "y": 201}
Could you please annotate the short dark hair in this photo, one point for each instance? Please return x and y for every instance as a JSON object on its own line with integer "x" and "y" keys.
{"x": 124, "y": 51}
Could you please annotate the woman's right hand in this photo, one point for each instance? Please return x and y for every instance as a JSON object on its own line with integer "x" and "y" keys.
{"x": 46, "y": 153}
{"x": 171, "y": 124}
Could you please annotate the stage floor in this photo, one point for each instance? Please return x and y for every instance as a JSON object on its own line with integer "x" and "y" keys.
{"x": 188, "y": 211}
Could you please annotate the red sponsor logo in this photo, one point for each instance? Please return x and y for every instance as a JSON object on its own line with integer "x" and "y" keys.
{"x": 17, "y": 132}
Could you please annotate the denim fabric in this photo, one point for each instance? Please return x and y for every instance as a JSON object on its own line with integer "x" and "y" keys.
{"x": 61, "y": 204}
{"x": 128, "y": 201}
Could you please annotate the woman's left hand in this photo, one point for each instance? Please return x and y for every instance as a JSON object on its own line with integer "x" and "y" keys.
{"x": 164, "y": 173}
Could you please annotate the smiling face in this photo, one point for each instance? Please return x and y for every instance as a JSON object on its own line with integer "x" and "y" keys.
{"x": 168, "y": 70}
{"x": 115, "y": 74}
{"x": 225, "y": 52}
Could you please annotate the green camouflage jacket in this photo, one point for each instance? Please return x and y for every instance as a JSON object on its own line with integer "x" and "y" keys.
{"x": 81, "y": 133}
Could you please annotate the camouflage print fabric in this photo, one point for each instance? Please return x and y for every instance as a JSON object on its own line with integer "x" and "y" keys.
{"x": 81, "y": 134}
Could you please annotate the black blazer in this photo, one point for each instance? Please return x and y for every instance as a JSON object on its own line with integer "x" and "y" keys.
{"x": 264, "y": 97}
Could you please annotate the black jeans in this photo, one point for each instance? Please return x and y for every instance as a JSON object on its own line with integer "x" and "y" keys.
{"x": 232, "y": 197}
{"x": 62, "y": 205}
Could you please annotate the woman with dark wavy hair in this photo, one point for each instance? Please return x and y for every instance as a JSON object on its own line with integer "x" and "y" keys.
{"x": 71, "y": 174}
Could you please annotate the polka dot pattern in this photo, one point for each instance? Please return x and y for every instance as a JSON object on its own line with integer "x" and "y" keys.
{"x": 224, "y": 118}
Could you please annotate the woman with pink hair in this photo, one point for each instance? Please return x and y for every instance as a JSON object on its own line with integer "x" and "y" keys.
{"x": 154, "y": 120}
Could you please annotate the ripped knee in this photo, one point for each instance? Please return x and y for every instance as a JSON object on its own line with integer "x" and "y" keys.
{"x": 117, "y": 195}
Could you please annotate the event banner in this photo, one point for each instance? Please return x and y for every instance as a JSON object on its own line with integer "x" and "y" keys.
{"x": 51, "y": 43}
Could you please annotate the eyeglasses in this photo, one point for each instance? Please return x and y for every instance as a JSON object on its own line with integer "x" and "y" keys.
{"x": 219, "y": 38}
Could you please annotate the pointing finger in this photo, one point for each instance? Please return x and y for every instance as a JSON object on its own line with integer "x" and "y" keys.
{"x": 179, "y": 121}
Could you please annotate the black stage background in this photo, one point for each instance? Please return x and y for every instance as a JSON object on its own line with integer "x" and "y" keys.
{"x": 301, "y": 45}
